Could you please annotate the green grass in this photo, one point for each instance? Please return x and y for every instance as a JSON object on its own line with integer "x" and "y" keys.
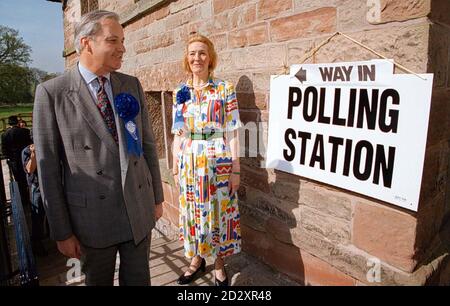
{"x": 6, "y": 111}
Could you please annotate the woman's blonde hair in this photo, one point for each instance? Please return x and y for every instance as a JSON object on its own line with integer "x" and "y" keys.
{"x": 195, "y": 37}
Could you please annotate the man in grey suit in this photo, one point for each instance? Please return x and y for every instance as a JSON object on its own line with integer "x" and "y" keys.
{"x": 101, "y": 197}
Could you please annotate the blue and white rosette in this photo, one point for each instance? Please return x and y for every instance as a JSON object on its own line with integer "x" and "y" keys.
{"x": 128, "y": 107}
{"x": 183, "y": 95}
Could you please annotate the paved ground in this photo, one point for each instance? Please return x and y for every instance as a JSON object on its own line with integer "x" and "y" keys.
{"x": 166, "y": 264}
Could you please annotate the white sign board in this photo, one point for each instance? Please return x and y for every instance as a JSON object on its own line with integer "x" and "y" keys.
{"x": 360, "y": 133}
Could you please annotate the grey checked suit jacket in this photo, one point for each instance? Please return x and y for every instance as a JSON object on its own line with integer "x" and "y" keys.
{"x": 90, "y": 186}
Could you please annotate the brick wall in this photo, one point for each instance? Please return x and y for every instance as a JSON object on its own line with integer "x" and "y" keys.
{"x": 316, "y": 233}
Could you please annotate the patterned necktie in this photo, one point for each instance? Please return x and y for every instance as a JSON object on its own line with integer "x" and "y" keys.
{"x": 105, "y": 108}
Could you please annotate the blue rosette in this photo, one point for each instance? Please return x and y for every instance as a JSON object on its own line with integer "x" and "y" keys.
{"x": 183, "y": 95}
{"x": 128, "y": 107}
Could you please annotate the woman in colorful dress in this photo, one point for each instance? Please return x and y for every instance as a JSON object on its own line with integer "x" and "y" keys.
{"x": 206, "y": 164}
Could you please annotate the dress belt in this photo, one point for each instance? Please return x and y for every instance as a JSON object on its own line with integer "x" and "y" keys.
{"x": 204, "y": 136}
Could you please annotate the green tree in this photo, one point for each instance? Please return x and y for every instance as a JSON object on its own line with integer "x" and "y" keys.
{"x": 16, "y": 79}
{"x": 13, "y": 49}
{"x": 15, "y": 84}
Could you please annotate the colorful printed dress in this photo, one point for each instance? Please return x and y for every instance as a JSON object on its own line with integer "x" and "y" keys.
{"x": 209, "y": 217}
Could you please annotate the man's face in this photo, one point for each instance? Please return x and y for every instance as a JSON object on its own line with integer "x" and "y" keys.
{"x": 107, "y": 47}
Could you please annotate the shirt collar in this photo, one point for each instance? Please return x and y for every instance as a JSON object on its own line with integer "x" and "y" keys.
{"x": 89, "y": 76}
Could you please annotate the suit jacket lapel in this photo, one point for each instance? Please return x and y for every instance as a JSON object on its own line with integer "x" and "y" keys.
{"x": 118, "y": 87}
{"x": 80, "y": 96}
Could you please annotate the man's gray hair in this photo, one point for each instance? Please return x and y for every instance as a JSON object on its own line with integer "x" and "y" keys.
{"x": 89, "y": 25}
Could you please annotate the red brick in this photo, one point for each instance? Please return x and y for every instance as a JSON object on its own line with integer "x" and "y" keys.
{"x": 387, "y": 233}
{"x": 271, "y": 8}
{"x": 304, "y": 25}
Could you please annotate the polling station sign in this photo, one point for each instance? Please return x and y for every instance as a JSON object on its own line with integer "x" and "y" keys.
{"x": 354, "y": 125}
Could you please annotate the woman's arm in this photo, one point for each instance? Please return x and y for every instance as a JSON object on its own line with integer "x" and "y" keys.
{"x": 175, "y": 150}
{"x": 31, "y": 164}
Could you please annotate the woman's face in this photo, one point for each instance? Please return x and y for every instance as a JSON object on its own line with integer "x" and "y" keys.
{"x": 198, "y": 58}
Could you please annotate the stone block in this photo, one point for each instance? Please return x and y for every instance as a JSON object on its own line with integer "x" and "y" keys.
{"x": 220, "y": 43}
{"x": 319, "y": 272}
{"x": 256, "y": 178}
{"x": 285, "y": 186}
{"x": 290, "y": 260}
{"x": 386, "y": 233}
{"x": 242, "y": 16}
{"x": 439, "y": 46}
{"x": 298, "y": 50}
{"x": 383, "y": 11}
{"x": 303, "y": 25}
{"x": 283, "y": 210}
{"x": 430, "y": 219}
{"x": 439, "y": 120}
{"x": 272, "y": 8}
{"x": 254, "y": 35}
{"x": 352, "y": 16}
{"x": 336, "y": 230}
{"x": 180, "y": 5}
{"x": 434, "y": 172}
{"x": 279, "y": 230}
{"x": 255, "y": 100}
{"x": 326, "y": 200}
{"x": 221, "y": 6}
{"x": 439, "y": 11}
{"x": 254, "y": 242}
{"x": 307, "y": 5}
{"x": 407, "y": 45}
{"x": 260, "y": 57}
{"x": 251, "y": 217}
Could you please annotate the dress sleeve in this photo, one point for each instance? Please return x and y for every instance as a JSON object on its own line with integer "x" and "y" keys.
{"x": 232, "y": 121}
{"x": 176, "y": 124}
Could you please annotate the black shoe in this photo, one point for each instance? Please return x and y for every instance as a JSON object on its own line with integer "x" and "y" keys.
{"x": 183, "y": 279}
{"x": 223, "y": 283}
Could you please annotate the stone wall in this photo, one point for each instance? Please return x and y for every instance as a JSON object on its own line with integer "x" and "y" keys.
{"x": 316, "y": 233}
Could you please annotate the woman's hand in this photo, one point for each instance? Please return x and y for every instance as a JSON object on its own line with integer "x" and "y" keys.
{"x": 233, "y": 183}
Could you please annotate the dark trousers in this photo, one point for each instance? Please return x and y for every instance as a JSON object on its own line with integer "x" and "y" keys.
{"x": 99, "y": 265}
{"x": 37, "y": 215}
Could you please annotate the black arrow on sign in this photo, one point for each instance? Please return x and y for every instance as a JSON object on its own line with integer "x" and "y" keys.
{"x": 301, "y": 75}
